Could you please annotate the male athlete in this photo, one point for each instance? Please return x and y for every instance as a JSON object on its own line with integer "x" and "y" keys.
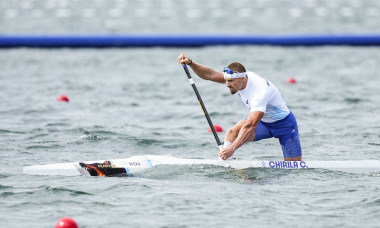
{"x": 269, "y": 115}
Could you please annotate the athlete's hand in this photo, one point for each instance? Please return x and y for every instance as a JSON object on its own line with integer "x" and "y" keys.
{"x": 226, "y": 153}
{"x": 183, "y": 59}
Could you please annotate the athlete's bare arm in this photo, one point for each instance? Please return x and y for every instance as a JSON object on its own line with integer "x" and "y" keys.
{"x": 202, "y": 71}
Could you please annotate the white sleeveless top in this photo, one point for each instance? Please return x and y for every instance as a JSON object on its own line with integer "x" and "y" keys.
{"x": 262, "y": 95}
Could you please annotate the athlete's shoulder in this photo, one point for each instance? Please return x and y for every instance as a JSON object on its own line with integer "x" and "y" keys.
{"x": 254, "y": 75}
{"x": 256, "y": 79}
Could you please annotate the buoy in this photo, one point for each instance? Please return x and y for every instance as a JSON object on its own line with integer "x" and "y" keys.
{"x": 217, "y": 128}
{"x": 63, "y": 98}
{"x": 291, "y": 80}
{"x": 66, "y": 222}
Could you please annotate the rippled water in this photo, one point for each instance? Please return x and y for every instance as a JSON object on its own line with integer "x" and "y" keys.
{"x": 126, "y": 102}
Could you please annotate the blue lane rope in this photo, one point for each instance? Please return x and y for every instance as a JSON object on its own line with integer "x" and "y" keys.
{"x": 112, "y": 41}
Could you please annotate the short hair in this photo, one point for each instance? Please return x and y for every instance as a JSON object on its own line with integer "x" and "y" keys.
{"x": 238, "y": 67}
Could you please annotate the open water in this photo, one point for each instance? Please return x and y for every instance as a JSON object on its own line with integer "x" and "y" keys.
{"x": 126, "y": 102}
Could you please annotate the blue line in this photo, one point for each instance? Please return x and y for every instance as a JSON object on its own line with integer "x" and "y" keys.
{"x": 111, "y": 41}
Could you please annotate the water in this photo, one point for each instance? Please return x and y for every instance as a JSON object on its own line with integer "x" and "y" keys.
{"x": 126, "y": 102}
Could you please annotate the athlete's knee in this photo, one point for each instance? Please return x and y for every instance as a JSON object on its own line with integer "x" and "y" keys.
{"x": 235, "y": 129}
{"x": 232, "y": 132}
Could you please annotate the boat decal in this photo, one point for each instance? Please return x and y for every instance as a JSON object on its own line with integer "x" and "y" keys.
{"x": 104, "y": 169}
{"x": 127, "y": 171}
{"x": 288, "y": 164}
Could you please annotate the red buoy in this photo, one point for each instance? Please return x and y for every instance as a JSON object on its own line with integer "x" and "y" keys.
{"x": 66, "y": 222}
{"x": 217, "y": 128}
{"x": 63, "y": 98}
{"x": 291, "y": 80}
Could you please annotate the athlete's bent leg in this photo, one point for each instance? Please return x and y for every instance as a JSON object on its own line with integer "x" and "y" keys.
{"x": 291, "y": 147}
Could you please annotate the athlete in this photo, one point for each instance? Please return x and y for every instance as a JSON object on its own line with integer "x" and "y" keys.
{"x": 269, "y": 115}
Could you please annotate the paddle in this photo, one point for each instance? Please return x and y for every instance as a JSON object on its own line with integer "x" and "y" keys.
{"x": 203, "y": 107}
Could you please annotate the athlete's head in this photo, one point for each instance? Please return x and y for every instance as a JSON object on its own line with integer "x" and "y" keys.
{"x": 237, "y": 67}
{"x": 235, "y": 76}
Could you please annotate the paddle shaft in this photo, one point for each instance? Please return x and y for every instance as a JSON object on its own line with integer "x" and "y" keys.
{"x": 203, "y": 106}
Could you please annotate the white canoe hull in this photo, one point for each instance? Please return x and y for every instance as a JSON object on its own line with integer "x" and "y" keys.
{"x": 136, "y": 164}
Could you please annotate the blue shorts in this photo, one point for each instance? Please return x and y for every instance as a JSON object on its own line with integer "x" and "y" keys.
{"x": 286, "y": 130}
